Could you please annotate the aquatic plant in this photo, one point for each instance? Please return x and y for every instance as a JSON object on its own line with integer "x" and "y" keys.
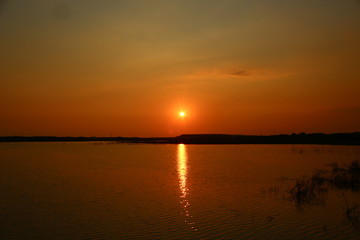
{"x": 347, "y": 177}
{"x": 310, "y": 190}
{"x": 352, "y": 214}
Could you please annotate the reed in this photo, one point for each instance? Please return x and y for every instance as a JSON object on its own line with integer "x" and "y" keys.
{"x": 308, "y": 191}
{"x": 311, "y": 190}
{"x": 347, "y": 177}
{"x": 352, "y": 214}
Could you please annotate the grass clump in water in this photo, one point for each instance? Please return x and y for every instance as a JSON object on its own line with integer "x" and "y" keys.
{"x": 347, "y": 177}
{"x": 352, "y": 214}
{"x": 308, "y": 190}
{"x": 311, "y": 190}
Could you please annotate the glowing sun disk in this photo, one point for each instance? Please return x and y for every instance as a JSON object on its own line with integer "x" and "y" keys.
{"x": 182, "y": 114}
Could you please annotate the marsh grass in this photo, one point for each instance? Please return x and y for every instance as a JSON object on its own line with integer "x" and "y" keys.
{"x": 311, "y": 190}
{"x": 352, "y": 214}
{"x": 308, "y": 190}
{"x": 347, "y": 177}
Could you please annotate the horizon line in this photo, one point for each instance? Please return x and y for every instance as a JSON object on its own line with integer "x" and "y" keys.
{"x": 184, "y": 134}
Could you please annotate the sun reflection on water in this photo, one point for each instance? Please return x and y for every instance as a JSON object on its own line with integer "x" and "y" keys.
{"x": 182, "y": 159}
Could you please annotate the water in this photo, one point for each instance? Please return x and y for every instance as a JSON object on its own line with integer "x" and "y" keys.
{"x": 144, "y": 191}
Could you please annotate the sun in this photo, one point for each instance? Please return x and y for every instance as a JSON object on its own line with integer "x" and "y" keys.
{"x": 182, "y": 114}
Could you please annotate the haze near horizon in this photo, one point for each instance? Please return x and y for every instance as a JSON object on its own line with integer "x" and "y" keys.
{"x": 164, "y": 68}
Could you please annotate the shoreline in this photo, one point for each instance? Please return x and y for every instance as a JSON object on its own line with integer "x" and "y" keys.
{"x": 302, "y": 138}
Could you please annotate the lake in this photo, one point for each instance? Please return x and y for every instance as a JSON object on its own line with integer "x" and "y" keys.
{"x": 105, "y": 190}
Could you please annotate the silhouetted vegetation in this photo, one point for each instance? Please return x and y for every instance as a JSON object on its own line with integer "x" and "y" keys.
{"x": 347, "y": 177}
{"x": 83, "y": 139}
{"x": 311, "y": 190}
{"x": 352, "y": 214}
{"x": 302, "y": 138}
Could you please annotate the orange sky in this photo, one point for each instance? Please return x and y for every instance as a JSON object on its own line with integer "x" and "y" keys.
{"x": 126, "y": 68}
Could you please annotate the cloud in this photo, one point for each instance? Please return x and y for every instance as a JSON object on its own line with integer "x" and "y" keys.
{"x": 197, "y": 76}
{"x": 216, "y": 73}
{"x": 241, "y": 73}
{"x": 232, "y": 74}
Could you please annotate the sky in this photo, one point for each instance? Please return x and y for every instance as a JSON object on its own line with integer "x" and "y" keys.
{"x": 128, "y": 67}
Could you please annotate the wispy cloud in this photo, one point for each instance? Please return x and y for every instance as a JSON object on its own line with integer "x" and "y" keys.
{"x": 241, "y": 73}
{"x": 231, "y": 74}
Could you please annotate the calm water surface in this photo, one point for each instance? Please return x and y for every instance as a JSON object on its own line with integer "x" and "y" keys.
{"x": 135, "y": 191}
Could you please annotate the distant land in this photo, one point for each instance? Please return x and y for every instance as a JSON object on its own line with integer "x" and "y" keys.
{"x": 301, "y": 138}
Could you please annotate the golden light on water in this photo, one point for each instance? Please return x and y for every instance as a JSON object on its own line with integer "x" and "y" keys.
{"x": 182, "y": 165}
{"x": 182, "y": 170}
